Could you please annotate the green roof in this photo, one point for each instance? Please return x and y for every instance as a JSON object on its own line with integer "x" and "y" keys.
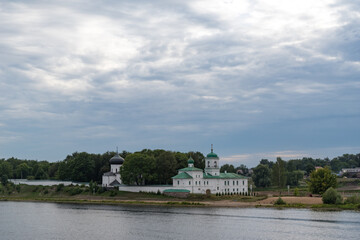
{"x": 224, "y": 175}
{"x": 212, "y": 155}
{"x": 191, "y": 160}
{"x": 190, "y": 169}
{"x": 182, "y": 175}
{"x": 176, "y": 190}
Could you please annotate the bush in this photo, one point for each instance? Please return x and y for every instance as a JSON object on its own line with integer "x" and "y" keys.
{"x": 113, "y": 193}
{"x": 46, "y": 191}
{"x": 331, "y": 196}
{"x": 279, "y": 201}
{"x": 18, "y": 188}
{"x": 353, "y": 200}
{"x": 59, "y": 187}
{"x": 101, "y": 190}
{"x": 75, "y": 191}
{"x": 296, "y": 192}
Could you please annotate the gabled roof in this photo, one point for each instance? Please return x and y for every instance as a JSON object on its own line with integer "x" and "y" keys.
{"x": 224, "y": 176}
{"x": 190, "y": 169}
{"x": 115, "y": 183}
{"x": 182, "y": 175}
{"x": 231, "y": 175}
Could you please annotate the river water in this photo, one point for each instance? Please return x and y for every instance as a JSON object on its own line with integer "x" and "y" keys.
{"x": 27, "y": 220}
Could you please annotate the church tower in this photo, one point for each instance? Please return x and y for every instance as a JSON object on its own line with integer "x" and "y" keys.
{"x": 212, "y": 163}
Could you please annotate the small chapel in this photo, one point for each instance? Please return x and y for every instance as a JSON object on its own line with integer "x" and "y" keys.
{"x": 112, "y": 179}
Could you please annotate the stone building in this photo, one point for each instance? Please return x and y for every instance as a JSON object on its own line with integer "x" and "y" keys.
{"x": 209, "y": 180}
{"x": 113, "y": 179}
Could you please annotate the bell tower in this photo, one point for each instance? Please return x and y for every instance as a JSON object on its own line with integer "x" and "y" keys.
{"x": 212, "y": 163}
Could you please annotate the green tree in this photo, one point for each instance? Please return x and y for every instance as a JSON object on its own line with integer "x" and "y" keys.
{"x": 22, "y": 170}
{"x": 321, "y": 180}
{"x": 279, "y": 173}
{"x": 165, "y": 167}
{"x": 228, "y": 168}
{"x": 294, "y": 177}
{"x": 138, "y": 168}
{"x": 261, "y": 176}
{"x": 6, "y": 169}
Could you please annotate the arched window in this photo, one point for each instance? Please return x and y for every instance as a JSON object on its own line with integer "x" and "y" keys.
{"x": 208, "y": 163}
{"x": 215, "y": 164}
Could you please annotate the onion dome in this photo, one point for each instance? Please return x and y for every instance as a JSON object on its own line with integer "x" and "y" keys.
{"x": 212, "y": 154}
{"x": 191, "y": 161}
{"x": 116, "y": 159}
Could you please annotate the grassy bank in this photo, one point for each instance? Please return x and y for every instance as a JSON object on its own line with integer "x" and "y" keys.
{"x": 86, "y": 195}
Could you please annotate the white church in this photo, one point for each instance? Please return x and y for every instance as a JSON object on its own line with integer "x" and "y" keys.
{"x": 209, "y": 180}
{"x": 190, "y": 179}
{"x": 113, "y": 179}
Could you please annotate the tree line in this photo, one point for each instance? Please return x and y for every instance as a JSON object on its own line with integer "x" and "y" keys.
{"x": 144, "y": 167}
{"x": 158, "y": 166}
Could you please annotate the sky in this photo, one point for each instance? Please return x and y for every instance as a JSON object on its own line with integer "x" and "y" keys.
{"x": 258, "y": 79}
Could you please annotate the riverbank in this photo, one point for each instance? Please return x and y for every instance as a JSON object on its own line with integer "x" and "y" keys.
{"x": 84, "y": 195}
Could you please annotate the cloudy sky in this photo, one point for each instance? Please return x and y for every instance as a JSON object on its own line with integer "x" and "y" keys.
{"x": 258, "y": 79}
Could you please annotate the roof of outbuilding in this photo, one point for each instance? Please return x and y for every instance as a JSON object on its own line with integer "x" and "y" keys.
{"x": 182, "y": 175}
{"x": 175, "y": 190}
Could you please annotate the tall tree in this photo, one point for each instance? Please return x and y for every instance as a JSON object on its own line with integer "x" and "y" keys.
{"x": 279, "y": 173}
{"x": 261, "y": 176}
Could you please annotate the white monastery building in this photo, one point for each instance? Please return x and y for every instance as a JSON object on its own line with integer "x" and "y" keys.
{"x": 189, "y": 179}
{"x": 113, "y": 179}
{"x": 209, "y": 180}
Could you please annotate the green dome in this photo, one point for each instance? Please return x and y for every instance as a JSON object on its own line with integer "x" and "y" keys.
{"x": 191, "y": 161}
{"x": 212, "y": 155}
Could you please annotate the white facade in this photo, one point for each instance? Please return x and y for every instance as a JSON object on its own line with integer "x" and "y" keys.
{"x": 113, "y": 178}
{"x": 210, "y": 180}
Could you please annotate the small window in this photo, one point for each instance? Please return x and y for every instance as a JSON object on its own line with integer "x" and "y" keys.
{"x": 178, "y": 182}
{"x": 208, "y": 163}
{"x": 233, "y": 182}
{"x": 243, "y": 183}
{"x": 207, "y": 182}
{"x": 237, "y": 182}
{"x": 189, "y": 182}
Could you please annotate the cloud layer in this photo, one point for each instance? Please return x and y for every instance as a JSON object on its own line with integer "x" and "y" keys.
{"x": 248, "y": 76}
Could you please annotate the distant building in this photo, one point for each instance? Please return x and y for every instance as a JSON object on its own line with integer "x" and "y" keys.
{"x": 352, "y": 171}
{"x": 113, "y": 179}
{"x": 209, "y": 180}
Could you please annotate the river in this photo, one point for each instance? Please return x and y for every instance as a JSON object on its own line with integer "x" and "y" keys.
{"x": 28, "y": 220}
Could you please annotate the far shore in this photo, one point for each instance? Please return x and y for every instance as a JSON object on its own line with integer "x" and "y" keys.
{"x": 84, "y": 195}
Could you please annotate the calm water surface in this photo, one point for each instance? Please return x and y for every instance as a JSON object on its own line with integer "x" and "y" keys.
{"x": 25, "y": 220}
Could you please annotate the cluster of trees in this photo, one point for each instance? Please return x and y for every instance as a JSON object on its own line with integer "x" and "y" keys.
{"x": 278, "y": 174}
{"x": 282, "y": 173}
{"x": 146, "y": 166}
{"x": 156, "y": 166}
